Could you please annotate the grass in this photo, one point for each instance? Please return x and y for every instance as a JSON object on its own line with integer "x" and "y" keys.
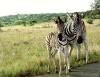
{"x": 23, "y": 50}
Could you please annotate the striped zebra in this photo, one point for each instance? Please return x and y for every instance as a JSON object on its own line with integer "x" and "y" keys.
{"x": 81, "y": 33}
{"x": 63, "y": 41}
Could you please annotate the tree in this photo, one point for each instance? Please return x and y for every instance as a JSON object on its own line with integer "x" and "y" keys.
{"x": 32, "y": 23}
{"x": 95, "y": 12}
{"x": 24, "y": 23}
{"x": 96, "y": 5}
{"x": 1, "y": 25}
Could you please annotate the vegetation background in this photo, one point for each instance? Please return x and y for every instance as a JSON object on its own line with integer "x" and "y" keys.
{"x": 22, "y": 42}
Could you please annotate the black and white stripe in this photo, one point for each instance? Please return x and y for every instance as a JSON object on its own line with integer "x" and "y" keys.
{"x": 68, "y": 35}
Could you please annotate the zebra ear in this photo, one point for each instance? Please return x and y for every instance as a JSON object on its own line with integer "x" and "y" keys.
{"x": 70, "y": 16}
{"x": 58, "y": 20}
{"x": 78, "y": 17}
{"x": 55, "y": 20}
{"x": 65, "y": 19}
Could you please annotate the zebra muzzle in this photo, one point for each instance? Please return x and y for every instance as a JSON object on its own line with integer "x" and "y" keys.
{"x": 80, "y": 40}
{"x": 62, "y": 39}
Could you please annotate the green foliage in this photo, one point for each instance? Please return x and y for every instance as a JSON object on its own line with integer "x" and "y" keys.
{"x": 1, "y": 24}
{"x": 29, "y": 19}
{"x": 94, "y": 13}
{"x": 90, "y": 21}
{"x": 32, "y": 23}
{"x": 24, "y": 23}
{"x": 18, "y": 22}
{"x": 96, "y": 4}
{"x": 97, "y": 16}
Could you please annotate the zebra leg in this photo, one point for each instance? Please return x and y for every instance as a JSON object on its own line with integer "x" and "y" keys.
{"x": 67, "y": 59}
{"x": 86, "y": 50}
{"x": 54, "y": 61}
{"x": 71, "y": 50}
{"x": 60, "y": 67}
{"x": 68, "y": 65}
{"x": 49, "y": 58}
{"x": 78, "y": 51}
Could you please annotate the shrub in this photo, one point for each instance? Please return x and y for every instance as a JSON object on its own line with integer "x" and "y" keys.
{"x": 90, "y": 21}
{"x": 97, "y": 17}
{"x": 1, "y": 24}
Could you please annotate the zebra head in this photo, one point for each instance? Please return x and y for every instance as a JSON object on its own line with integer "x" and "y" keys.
{"x": 60, "y": 24}
{"x": 77, "y": 27}
{"x": 61, "y": 36}
{"x": 72, "y": 28}
{"x": 77, "y": 18}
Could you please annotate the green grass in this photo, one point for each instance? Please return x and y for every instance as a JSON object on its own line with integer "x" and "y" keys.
{"x": 23, "y": 50}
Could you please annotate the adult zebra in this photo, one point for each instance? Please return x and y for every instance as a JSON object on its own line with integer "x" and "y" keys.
{"x": 81, "y": 34}
{"x": 63, "y": 41}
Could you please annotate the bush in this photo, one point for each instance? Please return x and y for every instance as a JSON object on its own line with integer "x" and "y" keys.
{"x": 1, "y": 24}
{"x": 97, "y": 17}
{"x": 90, "y": 21}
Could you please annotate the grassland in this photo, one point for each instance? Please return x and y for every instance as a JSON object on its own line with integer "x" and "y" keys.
{"x": 23, "y": 50}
